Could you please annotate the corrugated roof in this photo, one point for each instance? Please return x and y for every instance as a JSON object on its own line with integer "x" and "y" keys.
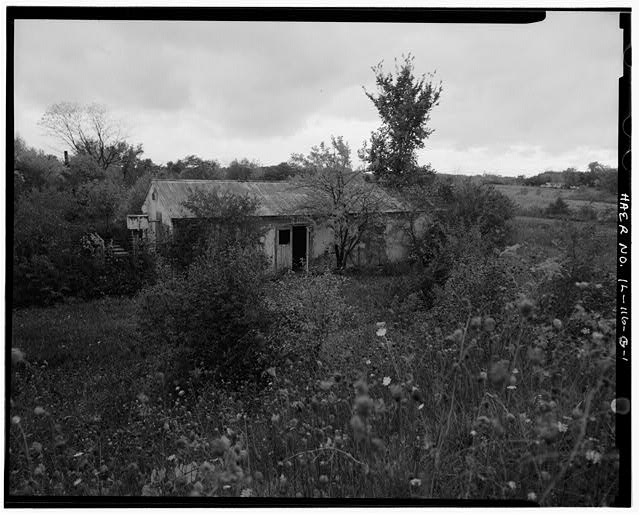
{"x": 275, "y": 198}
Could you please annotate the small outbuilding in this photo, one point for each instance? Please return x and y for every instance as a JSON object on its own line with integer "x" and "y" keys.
{"x": 293, "y": 235}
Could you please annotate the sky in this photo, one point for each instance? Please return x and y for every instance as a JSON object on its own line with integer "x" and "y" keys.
{"x": 517, "y": 99}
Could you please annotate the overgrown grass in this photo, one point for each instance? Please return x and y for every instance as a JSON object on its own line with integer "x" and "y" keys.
{"x": 583, "y": 204}
{"x": 381, "y": 398}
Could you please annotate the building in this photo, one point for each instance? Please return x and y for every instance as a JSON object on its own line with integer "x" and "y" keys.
{"x": 294, "y": 234}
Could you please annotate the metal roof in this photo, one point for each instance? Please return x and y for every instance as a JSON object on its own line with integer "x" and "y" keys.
{"x": 275, "y": 198}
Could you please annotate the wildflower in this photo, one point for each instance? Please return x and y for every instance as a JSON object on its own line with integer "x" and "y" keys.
{"x": 271, "y": 371}
{"x": 357, "y": 425}
{"x": 482, "y": 376}
{"x": 386, "y": 381}
{"x": 535, "y": 355}
{"x": 258, "y": 475}
{"x": 513, "y": 380}
{"x": 361, "y": 386}
{"x": 526, "y": 308}
{"x": 367, "y": 362}
{"x": 473, "y": 432}
{"x": 15, "y": 419}
{"x": 380, "y": 325}
{"x": 143, "y": 398}
{"x": 475, "y": 323}
{"x": 511, "y": 485}
{"x": 531, "y": 496}
{"x": 275, "y": 418}
{"x": 562, "y": 427}
{"x": 39, "y": 410}
{"x": 181, "y": 393}
{"x": 323, "y": 479}
{"x": 396, "y": 391}
{"x": 326, "y": 385}
{"x": 382, "y": 331}
{"x": 39, "y": 470}
{"x": 582, "y": 285}
{"x": 593, "y": 456}
{"x": 77, "y": 481}
{"x": 499, "y": 372}
{"x": 415, "y": 482}
{"x": 489, "y": 324}
{"x": 363, "y": 405}
{"x": 557, "y": 324}
{"x": 458, "y": 335}
{"x": 421, "y": 406}
{"x": 545, "y": 475}
{"x": 219, "y": 446}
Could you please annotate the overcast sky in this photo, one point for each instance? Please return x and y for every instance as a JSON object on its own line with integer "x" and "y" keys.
{"x": 516, "y": 98}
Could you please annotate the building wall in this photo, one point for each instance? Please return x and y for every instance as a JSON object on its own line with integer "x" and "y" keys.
{"x": 392, "y": 245}
{"x": 160, "y": 224}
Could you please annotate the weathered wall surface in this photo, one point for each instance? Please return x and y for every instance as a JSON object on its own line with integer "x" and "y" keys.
{"x": 160, "y": 225}
{"x": 392, "y": 244}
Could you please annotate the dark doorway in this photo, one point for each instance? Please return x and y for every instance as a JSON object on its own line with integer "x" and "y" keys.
{"x": 299, "y": 247}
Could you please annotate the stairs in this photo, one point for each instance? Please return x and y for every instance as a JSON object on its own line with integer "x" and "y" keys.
{"x": 117, "y": 250}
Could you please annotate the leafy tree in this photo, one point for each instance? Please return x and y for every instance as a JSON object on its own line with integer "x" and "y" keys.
{"x": 279, "y": 172}
{"x": 450, "y": 219}
{"x": 193, "y": 167}
{"x": 213, "y": 312}
{"x": 88, "y": 130}
{"x": 33, "y": 168}
{"x": 340, "y": 195}
{"x": 559, "y": 207}
{"x": 221, "y": 220}
{"x": 99, "y": 201}
{"x": 404, "y": 103}
{"x": 241, "y": 170}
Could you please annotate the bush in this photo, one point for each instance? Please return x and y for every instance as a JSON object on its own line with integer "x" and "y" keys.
{"x": 213, "y": 315}
{"x": 558, "y": 208}
{"x": 464, "y": 219}
{"x": 304, "y": 310}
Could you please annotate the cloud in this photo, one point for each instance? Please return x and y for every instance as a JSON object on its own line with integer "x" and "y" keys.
{"x": 515, "y": 94}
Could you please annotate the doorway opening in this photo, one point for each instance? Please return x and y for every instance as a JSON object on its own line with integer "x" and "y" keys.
{"x": 299, "y": 247}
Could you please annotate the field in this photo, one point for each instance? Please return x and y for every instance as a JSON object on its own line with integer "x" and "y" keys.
{"x": 499, "y": 400}
{"x": 531, "y": 198}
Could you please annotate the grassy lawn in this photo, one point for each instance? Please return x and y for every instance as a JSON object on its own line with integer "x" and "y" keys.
{"x": 413, "y": 407}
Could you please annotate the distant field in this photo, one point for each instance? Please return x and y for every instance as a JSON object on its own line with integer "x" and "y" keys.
{"x": 533, "y": 197}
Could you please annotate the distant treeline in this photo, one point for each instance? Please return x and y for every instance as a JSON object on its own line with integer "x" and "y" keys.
{"x": 596, "y": 176}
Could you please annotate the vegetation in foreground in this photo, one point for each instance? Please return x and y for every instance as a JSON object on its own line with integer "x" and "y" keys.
{"x": 506, "y": 382}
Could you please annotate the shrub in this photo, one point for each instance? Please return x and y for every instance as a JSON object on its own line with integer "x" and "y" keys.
{"x": 213, "y": 314}
{"x": 304, "y": 310}
{"x": 558, "y": 208}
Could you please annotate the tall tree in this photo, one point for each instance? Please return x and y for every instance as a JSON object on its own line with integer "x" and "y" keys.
{"x": 33, "y": 168}
{"x": 339, "y": 194}
{"x": 193, "y": 167}
{"x": 404, "y": 103}
{"x": 241, "y": 170}
{"x": 87, "y": 130}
